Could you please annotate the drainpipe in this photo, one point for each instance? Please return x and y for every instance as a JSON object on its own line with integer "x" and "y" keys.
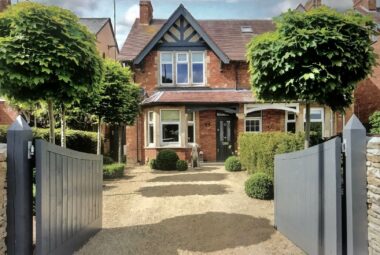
{"x": 137, "y": 141}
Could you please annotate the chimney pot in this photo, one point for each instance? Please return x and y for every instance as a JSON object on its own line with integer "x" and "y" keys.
{"x": 146, "y": 12}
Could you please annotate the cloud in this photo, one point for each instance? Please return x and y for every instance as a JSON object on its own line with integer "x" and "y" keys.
{"x": 79, "y": 7}
{"x": 131, "y": 14}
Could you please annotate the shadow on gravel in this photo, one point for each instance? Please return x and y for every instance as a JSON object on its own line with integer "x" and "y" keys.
{"x": 209, "y": 232}
{"x": 201, "y": 177}
{"x": 182, "y": 190}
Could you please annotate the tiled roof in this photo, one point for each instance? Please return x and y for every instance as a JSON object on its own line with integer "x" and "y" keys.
{"x": 200, "y": 96}
{"x": 225, "y": 33}
{"x": 94, "y": 24}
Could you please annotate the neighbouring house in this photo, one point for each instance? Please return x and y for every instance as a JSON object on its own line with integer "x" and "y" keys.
{"x": 195, "y": 79}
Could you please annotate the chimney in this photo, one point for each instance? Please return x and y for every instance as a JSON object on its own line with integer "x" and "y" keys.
{"x": 4, "y": 4}
{"x": 146, "y": 12}
{"x": 370, "y": 5}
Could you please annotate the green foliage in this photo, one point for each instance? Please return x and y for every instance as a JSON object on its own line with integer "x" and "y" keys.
{"x": 232, "y": 164}
{"x": 374, "y": 121}
{"x": 316, "y": 56}
{"x": 46, "y": 54}
{"x": 182, "y": 165}
{"x": 257, "y": 151}
{"x": 167, "y": 160}
{"x": 76, "y": 139}
{"x": 108, "y": 160}
{"x": 113, "y": 171}
{"x": 153, "y": 164}
{"x": 260, "y": 186}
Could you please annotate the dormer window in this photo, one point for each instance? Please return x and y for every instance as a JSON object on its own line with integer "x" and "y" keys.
{"x": 182, "y": 68}
{"x": 246, "y": 29}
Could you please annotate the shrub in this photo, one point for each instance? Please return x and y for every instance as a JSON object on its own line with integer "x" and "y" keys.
{"x": 374, "y": 121}
{"x": 232, "y": 164}
{"x": 182, "y": 165}
{"x": 167, "y": 160}
{"x": 113, "y": 171}
{"x": 108, "y": 160}
{"x": 153, "y": 164}
{"x": 78, "y": 140}
{"x": 260, "y": 186}
{"x": 257, "y": 151}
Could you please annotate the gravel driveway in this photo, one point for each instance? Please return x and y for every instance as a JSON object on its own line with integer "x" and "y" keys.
{"x": 195, "y": 212}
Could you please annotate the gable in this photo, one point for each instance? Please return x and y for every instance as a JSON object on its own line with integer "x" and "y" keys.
{"x": 181, "y": 30}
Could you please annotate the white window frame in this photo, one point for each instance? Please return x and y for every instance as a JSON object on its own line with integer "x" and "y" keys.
{"x": 166, "y": 62}
{"x": 197, "y": 62}
{"x": 290, "y": 121}
{"x": 151, "y": 122}
{"x": 260, "y": 119}
{"x": 318, "y": 120}
{"x": 170, "y": 123}
{"x": 182, "y": 62}
{"x": 192, "y": 123}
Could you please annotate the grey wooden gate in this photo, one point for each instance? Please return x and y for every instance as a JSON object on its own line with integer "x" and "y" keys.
{"x": 308, "y": 197}
{"x": 68, "y": 200}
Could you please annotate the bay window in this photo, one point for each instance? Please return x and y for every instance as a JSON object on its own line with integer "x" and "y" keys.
{"x": 182, "y": 68}
{"x": 150, "y": 128}
{"x": 170, "y": 126}
{"x": 253, "y": 121}
{"x": 166, "y": 68}
{"x": 290, "y": 119}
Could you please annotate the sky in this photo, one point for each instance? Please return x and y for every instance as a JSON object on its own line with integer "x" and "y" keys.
{"x": 128, "y": 10}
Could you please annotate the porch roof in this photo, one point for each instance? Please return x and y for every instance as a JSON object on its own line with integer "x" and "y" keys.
{"x": 200, "y": 96}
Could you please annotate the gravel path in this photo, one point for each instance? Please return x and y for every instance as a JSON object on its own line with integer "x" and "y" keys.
{"x": 195, "y": 212}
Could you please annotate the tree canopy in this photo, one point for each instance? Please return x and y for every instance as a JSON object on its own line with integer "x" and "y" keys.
{"x": 46, "y": 53}
{"x": 316, "y": 56}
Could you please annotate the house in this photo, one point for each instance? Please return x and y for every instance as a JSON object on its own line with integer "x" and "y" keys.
{"x": 195, "y": 79}
{"x": 367, "y": 94}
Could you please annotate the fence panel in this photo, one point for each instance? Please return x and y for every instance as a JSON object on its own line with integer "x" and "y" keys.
{"x": 308, "y": 197}
{"x": 69, "y": 190}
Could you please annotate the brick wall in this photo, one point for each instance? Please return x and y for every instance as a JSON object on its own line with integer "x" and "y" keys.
{"x": 273, "y": 120}
{"x": 3, "y": 198}
{"x": 373, "y": 178}
{"x": 146, "y": 75}
{"x": 7, "y": 114}
{"x": 135, "y": 141}
{"x": 207, "y": 133}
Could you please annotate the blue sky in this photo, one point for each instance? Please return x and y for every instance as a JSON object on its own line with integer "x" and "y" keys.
{"x": 128, "y": 10}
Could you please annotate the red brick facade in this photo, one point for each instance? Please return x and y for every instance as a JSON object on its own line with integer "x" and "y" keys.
{"x": 273, "y": 120}
{"x": 207, "y": 134}
{"x": 7, "y": 114}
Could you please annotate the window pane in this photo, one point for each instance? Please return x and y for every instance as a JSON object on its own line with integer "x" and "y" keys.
{"x": 197, "y": 73}
{"x": 252, "y": 125}
{"x": 166, "y": 57}
{"x": 182, "y": 57}
{"x": 150, "y": 116}
{"x": 254, "y": 114}
{"x": 170, "y": 115}
{"x": 190, "y": 133}
{"x": 197, "y": 57}
{"x": 167, "y": 73}
{"x": 291, "y": 116}
{"x": 182, "y": 73}
{"x": 291, "y": 127}
{"x": 151, "y": 133}
{"x": 170, "y": 133}
{"x": 315, "y": 114}
{"x": 190, "y": 116}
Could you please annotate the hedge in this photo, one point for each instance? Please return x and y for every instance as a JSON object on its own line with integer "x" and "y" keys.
{"x": 374, "y": 121}
{"x": 257, "y": 151}
{"x": 113, "y": 171}
{"x": 79, "y": 140}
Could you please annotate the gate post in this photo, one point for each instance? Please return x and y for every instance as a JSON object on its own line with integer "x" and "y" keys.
{"x": 354, "y": 137}
{"x": 19, "y": 181}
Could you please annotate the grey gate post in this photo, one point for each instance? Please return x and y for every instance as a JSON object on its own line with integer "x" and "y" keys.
{"x": 19, "y": 181}
{"x": 354, "y": 138}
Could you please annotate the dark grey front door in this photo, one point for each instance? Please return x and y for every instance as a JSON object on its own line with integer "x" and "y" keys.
{"x": 224, "y": 137}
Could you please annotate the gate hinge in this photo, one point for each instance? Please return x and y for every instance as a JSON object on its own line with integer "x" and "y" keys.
{"x": 30, "y": 150}
{"x": 344, "y": 145}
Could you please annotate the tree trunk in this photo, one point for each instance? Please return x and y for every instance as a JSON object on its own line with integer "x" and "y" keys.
{"x": 120, "y": 146}
{"x": 307, "y": 126}
{"x": 99, "y": 140}
{"x": 63, "y": 126}
{"x": 51, "y": 122}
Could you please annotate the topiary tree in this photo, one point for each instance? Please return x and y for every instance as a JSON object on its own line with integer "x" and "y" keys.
{"x": 317, "y": 56}
{"x": 167, "y": 160}
{"x": 116, "y": 101}
{"x": 260, "y": 186}
{"x": 46, "y": 54}
{"x": 232, "y": 164}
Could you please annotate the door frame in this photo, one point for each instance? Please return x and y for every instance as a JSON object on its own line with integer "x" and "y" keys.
{"x": 232, "y": 118}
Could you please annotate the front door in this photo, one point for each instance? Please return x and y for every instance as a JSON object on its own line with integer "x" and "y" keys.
{"x": 224, "y": 137}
